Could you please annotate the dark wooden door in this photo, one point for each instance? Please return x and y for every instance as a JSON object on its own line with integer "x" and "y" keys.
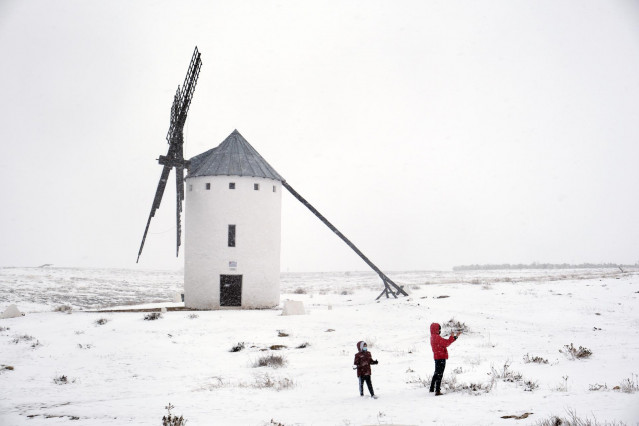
{"x": 230, "y": 290}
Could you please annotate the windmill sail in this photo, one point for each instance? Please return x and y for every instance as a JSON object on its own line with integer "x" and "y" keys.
{"x": 175, "y": 155}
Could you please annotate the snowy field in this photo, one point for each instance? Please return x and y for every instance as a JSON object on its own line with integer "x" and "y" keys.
{"x": 110, "y": 368}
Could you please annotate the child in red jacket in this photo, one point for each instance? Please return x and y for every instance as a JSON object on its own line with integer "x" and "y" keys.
{"x": 440, "y": 353}
{"x": 363, "y": 362}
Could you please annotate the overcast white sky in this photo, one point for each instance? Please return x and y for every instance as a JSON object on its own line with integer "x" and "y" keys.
{"x": 431, "y": 133}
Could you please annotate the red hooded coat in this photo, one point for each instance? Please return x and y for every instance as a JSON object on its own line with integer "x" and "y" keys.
{"x": 438, "y": 343}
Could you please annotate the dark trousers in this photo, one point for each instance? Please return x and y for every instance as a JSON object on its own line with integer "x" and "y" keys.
{"x": 366, "y": 379}
{"x": 436, "y": 383}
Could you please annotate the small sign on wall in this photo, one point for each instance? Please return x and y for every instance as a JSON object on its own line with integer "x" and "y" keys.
{"x": 233, "y": 265}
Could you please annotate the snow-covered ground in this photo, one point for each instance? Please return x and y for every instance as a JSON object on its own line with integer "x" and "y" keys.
{"x": 122, "y": 369}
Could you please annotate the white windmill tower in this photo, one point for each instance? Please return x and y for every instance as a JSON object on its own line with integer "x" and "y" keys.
{"x": 233, "y": 222}
{"x": 232, "y": 256}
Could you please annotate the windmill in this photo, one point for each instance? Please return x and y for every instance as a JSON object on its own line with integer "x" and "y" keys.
{"x": 175, "y": 155}
{"x": 233, "y": 162}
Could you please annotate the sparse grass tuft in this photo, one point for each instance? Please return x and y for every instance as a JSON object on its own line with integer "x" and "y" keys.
{"x": 152, "y": 316}
{"x": 303, "y": 345}
{"x": 281, "y": 333}
{"x": 536, "y": 359}
{"x": 63, "y": 308}
{"x": 275, "y": 361}
{"x": 506, "y": 374}
{"x": 573, "y": 353}
{"x": 264, "y": 381}
{"x": 629, "y": 385}
{"x": 172, "y": 420}
{"x": 598, "y": 387}
{"x": 454, "y": 326}
{"x": 4, "y": 329}
{"x": 299, "y": 290}
{"x": 451, "y": 385}
{"x": 62, "y": 380}
{"x": 193, "y": 316}
{"x": 573, "y": 420}
{"x": 101, "y": 321}
{"x": 237, "y": 347}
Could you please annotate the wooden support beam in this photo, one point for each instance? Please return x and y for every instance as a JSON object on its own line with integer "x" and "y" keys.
{"x": 388, "y": 283}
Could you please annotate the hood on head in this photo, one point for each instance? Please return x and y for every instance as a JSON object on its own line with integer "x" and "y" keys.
{"x": 434, "y": 328}
{"x": 360, "y": 345}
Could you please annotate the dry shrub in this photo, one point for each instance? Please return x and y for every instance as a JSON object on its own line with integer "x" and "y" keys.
{"x": 101, "y": 321}
{"x": 630, "y": 385}
{"x": 454, "y": 326}
{"x": 299, "y": 290}
{"x": 573, "y": 420}
{"x": 264, "y": 381}
{"x": 172, "y": 420}
{"x": 275, "y": 361}
{"x": 535, "y": 359}
{"x": 152, "y": 316}
{"x": 62, "y": 380}
{"x": 63, "y": 308}
{"x": 238, "y": 347}
{"x": 573, "y": 353}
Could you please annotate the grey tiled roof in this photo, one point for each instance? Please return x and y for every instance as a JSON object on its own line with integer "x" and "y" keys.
{"x": 233, "y": 157}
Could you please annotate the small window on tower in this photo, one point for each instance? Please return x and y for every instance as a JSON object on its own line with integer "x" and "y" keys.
{"x": 208, "y": 186}
{"x": 273, "y": 188}
{"x": 231, "y": 235}
{"x": 256, "y": 186}
{"x": 231, "y": 185}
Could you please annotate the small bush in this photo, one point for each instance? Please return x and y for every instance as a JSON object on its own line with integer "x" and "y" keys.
{"x": 535, "y": 359}
{"x": 573, "y": 420}
{"x": 171, "y": 420}
{"x": 22, "y": 338}
{"x": 275, "y": 361}
{"x": 505, "y": 374}
{"x": 299, "y": 290}
{"x": 86, "y": 346}
{"x": 630, "y": 385}
{"x": 62, "y": 380}
{"x": 303, "y": 345}
{"x": 63, "y": 308}
{"x": 530, "y": 386}
{"x": 101, "y": 321}
{"x": 454, "y": 326}
{"x": 152, "y": 316}
{"x": 6, "y": 367}
{"x": 598, "y": 387}
{"x": 573, "y": 353}
{"x": 237, "y": 347}
{"x": 450, "y": 385}
{"x": 266, "y": 381}
{"x": 281, "y": 333}
{"x": 193, "y": 316}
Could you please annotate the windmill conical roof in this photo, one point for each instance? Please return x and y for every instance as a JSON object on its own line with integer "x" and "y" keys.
{"x": 233, "y": 157}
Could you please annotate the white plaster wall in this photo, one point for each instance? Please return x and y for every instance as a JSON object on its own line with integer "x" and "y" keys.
{"x": 257, "y": 217}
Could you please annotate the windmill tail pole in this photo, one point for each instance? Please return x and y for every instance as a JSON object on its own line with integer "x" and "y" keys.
{"x": 387, "y": 281}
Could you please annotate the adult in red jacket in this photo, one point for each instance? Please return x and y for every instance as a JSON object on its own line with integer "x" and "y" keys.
{"x": 440, "y": 353}
{"x": 363, "y": 361}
